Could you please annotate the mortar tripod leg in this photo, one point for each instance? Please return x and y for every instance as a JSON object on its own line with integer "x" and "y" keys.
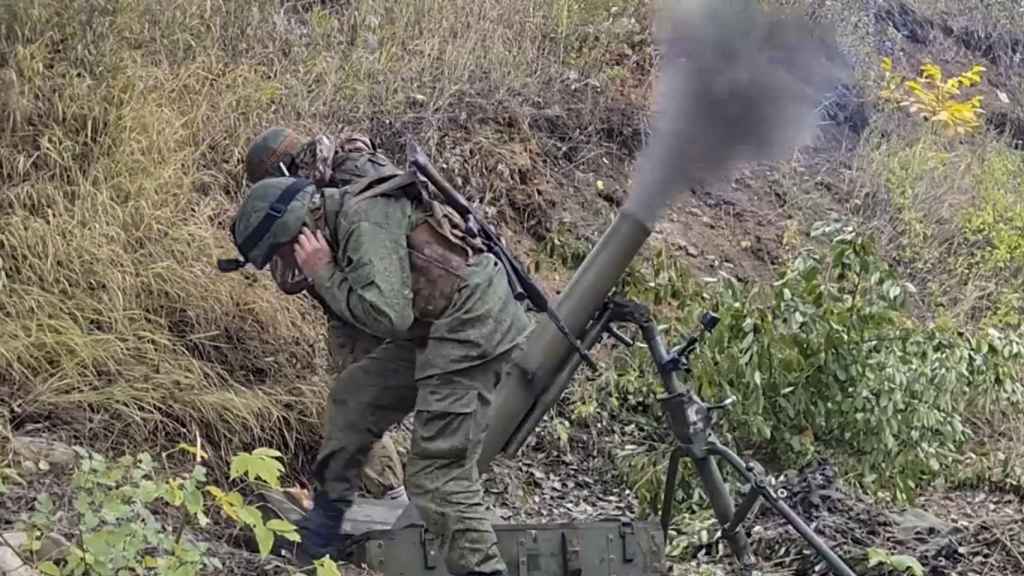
{"x": 721, "y": 503}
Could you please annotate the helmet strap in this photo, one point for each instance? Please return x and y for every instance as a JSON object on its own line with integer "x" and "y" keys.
{"x": 230, "y": 264}
{"x": 274, "y": 213}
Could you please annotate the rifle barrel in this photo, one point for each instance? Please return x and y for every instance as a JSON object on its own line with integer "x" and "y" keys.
{"x": 420, "y": 161}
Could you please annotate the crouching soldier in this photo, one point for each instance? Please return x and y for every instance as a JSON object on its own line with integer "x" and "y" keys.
{"x": 386, "y": 257}
{"x": 347, "y": 459}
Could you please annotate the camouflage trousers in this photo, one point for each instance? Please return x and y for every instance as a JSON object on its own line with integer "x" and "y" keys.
{"x": 450, "y": 415}
{"x": 381, "y": 471}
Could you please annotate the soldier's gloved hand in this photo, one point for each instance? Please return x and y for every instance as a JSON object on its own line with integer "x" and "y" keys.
{"x": 312, "y": 252}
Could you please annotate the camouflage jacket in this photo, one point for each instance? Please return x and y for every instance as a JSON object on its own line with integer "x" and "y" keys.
{"x": 338, "y": 163}
{"x": 371, "y": 285}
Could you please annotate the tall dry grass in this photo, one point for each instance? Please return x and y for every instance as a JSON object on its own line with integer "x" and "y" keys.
{"x": 953, "y": 218}
{"x": 123, "y": 129}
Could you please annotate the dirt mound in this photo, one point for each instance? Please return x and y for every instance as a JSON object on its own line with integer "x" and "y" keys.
{"x": 1002, "y": 48}
{"x": 985, "y": 534}
{"x": 905, "y": 20}
{"x": 531, "y": 162}
{"x": 1009, "y": 126}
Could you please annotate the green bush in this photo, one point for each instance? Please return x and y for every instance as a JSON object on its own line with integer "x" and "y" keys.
{"x": 825, "y": 361}
{"x": 129, "y": 518}
{"x": 828, "y": 360}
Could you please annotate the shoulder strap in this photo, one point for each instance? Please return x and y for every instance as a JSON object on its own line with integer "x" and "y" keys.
{"x": 375, "y": 186}
{"x": 448, "y": 223}
{"x": 332, "y": 201}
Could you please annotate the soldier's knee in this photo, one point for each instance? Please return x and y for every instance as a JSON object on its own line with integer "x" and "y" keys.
{"x": 382, "y": 472}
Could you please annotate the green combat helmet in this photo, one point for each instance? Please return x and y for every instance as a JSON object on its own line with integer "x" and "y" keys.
{"x": 273, "y": 213}
{"x": 269, "y": 152}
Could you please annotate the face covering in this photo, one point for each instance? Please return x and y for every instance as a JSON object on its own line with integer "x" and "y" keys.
{"x": 286, "y": 273}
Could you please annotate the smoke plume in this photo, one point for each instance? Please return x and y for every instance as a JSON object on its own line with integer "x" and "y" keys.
{"x": 735, "y": 85}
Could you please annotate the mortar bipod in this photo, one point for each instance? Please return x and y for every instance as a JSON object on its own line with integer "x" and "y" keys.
{"x": 691, "y": 420}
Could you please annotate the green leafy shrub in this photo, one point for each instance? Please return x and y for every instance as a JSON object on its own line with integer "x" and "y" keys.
{"x": 119, "y": 530}
{"x": 828, "y": 358}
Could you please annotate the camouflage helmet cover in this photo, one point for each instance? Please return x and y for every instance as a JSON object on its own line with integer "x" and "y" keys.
{"x": 260, "y": 202}
{"x": 270, "y": 148}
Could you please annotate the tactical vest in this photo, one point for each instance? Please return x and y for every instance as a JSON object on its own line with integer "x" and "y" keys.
{"x": 439, "y": 250}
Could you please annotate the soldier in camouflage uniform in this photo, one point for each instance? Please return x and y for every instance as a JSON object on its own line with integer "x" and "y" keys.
{"x": 388, "y": 259}
{"x": 349, "y": 447}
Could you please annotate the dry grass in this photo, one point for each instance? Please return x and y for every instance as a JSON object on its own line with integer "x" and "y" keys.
{"x": 122, "y": 128}
{"x": 928, "y": 197}
{"x": 949, "y": 212}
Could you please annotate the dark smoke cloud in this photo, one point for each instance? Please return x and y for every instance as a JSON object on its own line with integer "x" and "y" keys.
{"x": 735, "y": 85}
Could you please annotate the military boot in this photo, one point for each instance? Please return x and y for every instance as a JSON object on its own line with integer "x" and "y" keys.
{"x": 320, "y": 530}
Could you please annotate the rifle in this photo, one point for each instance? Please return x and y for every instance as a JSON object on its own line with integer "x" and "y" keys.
{"x": 523, "y": 287}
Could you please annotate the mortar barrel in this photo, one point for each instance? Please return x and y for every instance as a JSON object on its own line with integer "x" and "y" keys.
{"x": 546, "y": 352}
